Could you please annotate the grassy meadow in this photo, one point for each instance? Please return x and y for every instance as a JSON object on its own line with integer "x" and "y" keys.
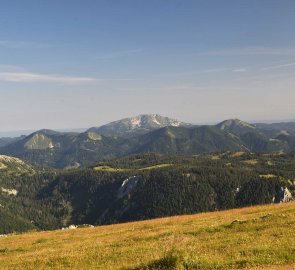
{"x": 261, "y": 237}
{"x": 111, "y": 169}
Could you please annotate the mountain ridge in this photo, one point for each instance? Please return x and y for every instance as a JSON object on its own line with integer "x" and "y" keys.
{"x": 145, "y": 133}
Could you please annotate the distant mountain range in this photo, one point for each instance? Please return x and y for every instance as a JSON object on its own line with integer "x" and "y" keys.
{"x": 287, "y": 126}
{"x": 147, "y": 133}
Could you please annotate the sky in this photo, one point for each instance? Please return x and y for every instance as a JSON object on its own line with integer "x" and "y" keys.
{"x": 77, "y": 64}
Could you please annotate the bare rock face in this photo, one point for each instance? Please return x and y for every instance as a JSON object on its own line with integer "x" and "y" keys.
{"x": 285, "y": 195}
{"x": 127, "y": 186}
{"x": 39, "y": 142}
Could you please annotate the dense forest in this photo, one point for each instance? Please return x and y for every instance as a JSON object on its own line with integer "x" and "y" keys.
{"x": 137, "y": 187}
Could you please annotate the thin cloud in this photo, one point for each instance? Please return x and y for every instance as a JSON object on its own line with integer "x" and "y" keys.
{"x": 279, "y": 66}
{"x": 204, "y": 71}
{"x": 249, "y": 51}
{"x": 115, "y": 55}
{"x": 35, "y": 77}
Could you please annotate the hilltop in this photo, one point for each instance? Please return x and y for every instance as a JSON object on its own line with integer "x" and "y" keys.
{"x": 14, "y": 166}
{"x": 260, "y": 237}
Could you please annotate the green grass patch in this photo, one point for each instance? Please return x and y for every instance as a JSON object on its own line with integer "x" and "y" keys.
{"x": 159, "y": 166}
{"x": 110, "y": 169}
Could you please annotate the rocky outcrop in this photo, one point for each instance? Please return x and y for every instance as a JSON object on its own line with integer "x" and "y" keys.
{"x": 285, "y": 195}
{"x": 127, "y": 186}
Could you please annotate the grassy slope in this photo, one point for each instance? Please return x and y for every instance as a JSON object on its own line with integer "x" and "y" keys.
{"x": 264, "y": 235}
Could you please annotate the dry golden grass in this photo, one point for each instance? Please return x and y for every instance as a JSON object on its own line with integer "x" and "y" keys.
{"x": 248, "y": 238}
{"x": 270, "y": 163}
{"x": 276, "y": 267}
{"x": 164, "y": 165}
{"x": 109, "y": 169}
{"x": 267, "y": 176}
{"x": 215, "y": 157}
{"x": 238, "y": 154}
{"x": 250, "y": 161}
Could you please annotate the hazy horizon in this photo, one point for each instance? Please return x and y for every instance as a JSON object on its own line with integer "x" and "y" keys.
{"x": 72, "y": 64}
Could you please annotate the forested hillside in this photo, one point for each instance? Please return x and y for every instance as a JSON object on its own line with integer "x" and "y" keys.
{"x": 142, "y": 187}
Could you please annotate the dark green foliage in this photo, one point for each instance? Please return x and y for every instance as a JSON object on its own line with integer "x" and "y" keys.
{"x": 170, "y": 193}
{"x": 81, "y": 196}
{"x": 258, "y": 191}
{"x": 25, "y": 210}
{"x": 181, "y": 140}
{"x": 190, "y": 184}
{"x": 13, "y": 223}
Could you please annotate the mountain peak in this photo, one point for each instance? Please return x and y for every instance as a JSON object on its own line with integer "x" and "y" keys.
{"x": 152, "y": 120}
{"x": 39, "y": 141}
{"x": 138, "y": 124}
{"x": 234, "y": 122}
{"x": 236, "y": 126}
{"x": 47, "y": 132}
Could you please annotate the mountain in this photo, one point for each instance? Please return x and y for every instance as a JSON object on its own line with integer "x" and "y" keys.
{"x": 182, "y": 140}
{"x": 62, "y": 149}
{"x": 236, "y": 126}
{"x": 145, "y": 133}
{"x": 255, "y": 138}
{"x": 287, "y": 139}
{"x": 278, "y": 128}
{"x": 137, "y": 125}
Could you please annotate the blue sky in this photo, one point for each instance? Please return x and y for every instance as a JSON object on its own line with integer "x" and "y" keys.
{"x": 66, "y": 64}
